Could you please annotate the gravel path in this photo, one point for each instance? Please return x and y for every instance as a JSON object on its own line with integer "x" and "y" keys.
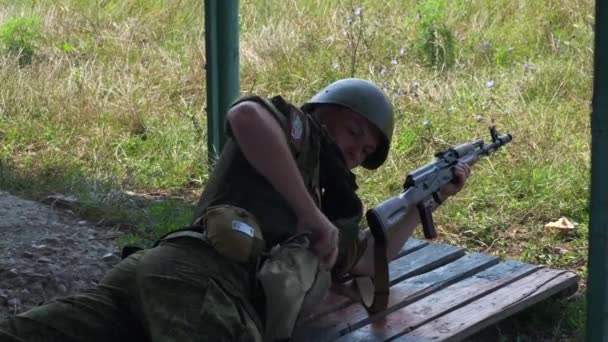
{"x": 47, "y": 252}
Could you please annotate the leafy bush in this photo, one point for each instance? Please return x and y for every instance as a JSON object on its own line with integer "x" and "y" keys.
{"x": 19, "y": 37}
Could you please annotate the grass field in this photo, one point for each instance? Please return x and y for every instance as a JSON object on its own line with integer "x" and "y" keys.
{"x": 103, "y": 97}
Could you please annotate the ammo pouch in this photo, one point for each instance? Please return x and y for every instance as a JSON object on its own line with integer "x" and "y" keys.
{"x": 292, "y": 282}
{"x": 232, "y": 231}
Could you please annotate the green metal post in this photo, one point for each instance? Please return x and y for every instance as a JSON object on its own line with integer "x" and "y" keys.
{"x": 597, "y": 290}
{"x": 222, "y": 68}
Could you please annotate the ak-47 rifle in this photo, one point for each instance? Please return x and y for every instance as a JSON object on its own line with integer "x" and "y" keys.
{"x": 420, "y": 190}
{"x": 421, "y": 185}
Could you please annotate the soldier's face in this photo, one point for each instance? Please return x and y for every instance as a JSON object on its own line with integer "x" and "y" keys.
{"x": 356, "y": 137}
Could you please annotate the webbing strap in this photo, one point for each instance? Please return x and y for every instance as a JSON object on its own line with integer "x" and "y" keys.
{"x": 374, "y": 296}
{"x": 189, "y": 233}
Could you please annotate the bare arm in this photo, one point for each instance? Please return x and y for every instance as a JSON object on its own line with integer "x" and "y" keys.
{"x": 264, "y": 145}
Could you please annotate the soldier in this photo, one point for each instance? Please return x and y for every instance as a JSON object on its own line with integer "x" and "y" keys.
{"x": 279, "y": 215}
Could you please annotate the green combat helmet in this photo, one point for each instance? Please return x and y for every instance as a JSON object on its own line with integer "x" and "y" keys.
{"x": 365, "y": 98}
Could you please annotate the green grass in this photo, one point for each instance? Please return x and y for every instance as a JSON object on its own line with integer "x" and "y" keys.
{"x": 110, "y": 98}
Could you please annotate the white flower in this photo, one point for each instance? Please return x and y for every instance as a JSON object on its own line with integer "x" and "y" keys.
{"x": 528, "y": 67}
{"x": 358, "y": 11}
{"x": 489, "y": 84}
{"x": 425, "y": 122}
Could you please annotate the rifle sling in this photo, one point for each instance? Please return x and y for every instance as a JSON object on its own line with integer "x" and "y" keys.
{"x": 374, "y": 296}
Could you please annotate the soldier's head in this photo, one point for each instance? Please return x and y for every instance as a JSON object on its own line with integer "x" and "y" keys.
{"x": 359, "y": 117}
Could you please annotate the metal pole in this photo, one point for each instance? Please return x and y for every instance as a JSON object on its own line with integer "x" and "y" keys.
{"x": 222, "y": 68}
{"x": 597, "y": 290}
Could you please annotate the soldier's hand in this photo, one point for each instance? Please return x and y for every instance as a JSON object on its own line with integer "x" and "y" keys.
{"x": 462, "y": 171}
{"x": 324, "y": 237}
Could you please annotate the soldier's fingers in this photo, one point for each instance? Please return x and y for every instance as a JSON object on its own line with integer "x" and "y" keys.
{"x": 464, "y": 169}
{"x": 459, "y": 172}
{"x": 467, "y": 170}
{"x": 328, "y": 261}
{"x": 327, "y": 244}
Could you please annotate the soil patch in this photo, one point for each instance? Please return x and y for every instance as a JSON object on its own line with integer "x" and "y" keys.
{"x": 46, "y": 252}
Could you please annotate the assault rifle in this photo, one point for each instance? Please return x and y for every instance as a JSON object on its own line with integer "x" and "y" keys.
{"x": 421, "y": 185}
{"x": 420, "y": 189}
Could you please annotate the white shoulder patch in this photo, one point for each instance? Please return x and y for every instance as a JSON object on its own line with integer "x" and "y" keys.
{"x": 243, "y": 228}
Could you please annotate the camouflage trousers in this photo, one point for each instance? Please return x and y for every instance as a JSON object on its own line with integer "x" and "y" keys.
{"x": 181, "y": 290}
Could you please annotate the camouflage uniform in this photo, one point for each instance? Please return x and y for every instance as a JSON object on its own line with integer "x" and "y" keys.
{"x": 183, "y": 289}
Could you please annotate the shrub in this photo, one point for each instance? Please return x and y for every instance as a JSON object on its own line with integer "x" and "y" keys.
{"x": 19, "y": 37}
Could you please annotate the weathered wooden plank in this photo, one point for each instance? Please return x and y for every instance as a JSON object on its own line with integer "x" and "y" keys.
{"x": 406, "y": 338}
{"x": 415, "y": 288}
{"x": 496, "y": 306}
{"x": 411, "y": 245}
{"x": 331, "y": 303}
{"x": 422, "y": 258}
{"x": 336, "y": 301}
{"x": 335, "y": 324}
{"x": 441, "y": 302}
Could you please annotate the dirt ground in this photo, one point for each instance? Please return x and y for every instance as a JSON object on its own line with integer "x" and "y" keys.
{"x": 47, "y": 252}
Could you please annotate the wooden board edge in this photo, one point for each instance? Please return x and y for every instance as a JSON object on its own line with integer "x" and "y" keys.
{"x": 407, "y": 250}
{"x": 450, "y": 256}
{"x": 526, "y": 269}
{"x": 563, "y": 280}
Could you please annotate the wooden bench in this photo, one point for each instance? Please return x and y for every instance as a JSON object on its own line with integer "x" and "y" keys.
{"x": 438, "y": 293}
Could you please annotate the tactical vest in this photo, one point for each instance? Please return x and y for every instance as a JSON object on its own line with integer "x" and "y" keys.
{"x": 235, "y": 182}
